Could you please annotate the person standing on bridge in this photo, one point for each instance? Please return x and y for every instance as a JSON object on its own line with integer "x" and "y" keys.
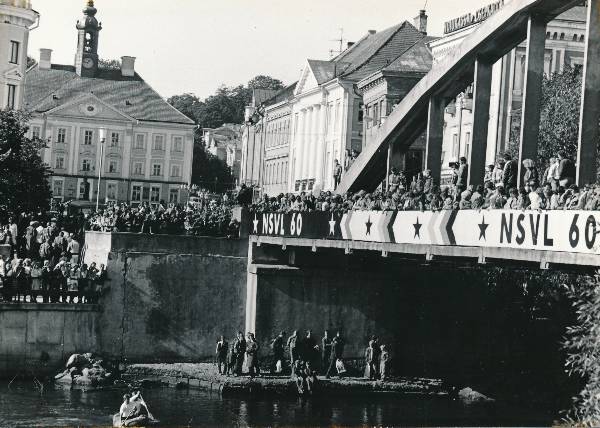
{"x": 511, "y": 169}
{"x": 337, "y": 174}
{"x": 566, "y": 170}
{"x": 463, "y": 175}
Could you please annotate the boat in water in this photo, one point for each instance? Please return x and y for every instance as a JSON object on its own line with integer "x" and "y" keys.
{"x": 140, "y": 421}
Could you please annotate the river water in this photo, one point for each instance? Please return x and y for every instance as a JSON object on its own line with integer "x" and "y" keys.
{"x": 22, "y": 405}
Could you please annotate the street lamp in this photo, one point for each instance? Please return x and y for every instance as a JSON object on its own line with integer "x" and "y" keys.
{"x": 102, "y": 135}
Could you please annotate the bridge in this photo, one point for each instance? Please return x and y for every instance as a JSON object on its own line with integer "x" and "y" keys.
{"x": 422, "y": 110}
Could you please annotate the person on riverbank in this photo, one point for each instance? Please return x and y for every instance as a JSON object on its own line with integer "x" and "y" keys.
{"x": 309, "y": 349}
{"x": 252, "y": 355}
{"x": 370, "y": 362}
{"x": 221, "y": 355}
{"x": 278, "y": 353}
{"x": 240, "y": 352}
{"x": 383, "y": 363}
{"x": 292, "y": 343}
{"x": 325, "y": 351}
{"x": 337, "y": 353}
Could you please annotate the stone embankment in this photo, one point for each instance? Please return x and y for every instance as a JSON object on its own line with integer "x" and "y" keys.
{"x": 206, "y": 376}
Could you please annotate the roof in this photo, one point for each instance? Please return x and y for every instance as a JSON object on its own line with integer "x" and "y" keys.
{"x": 578, "y": 13}
{"x": 259, "y": 96}
{"x": 129, "y": 95}
{"x": 283, "y": 95}
{"x": 417, "y": 59}
{"x": 372, "y": 53}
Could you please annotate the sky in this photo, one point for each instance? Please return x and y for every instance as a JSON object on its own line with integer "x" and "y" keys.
{"x": 195, "y": 46}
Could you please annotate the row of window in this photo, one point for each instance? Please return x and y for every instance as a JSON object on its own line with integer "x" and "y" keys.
{"x": 139, "y": 193}
{"x": 556, "y": 36}
{"x": 375, "y": 112}
{"x": 113, "y": 167}
{"x": 276, "y": 172}
{"x": 115, "y": 138}
{"x": 278, "y": 133}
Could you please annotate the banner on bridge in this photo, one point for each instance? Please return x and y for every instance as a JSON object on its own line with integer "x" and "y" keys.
{"x": 565, "y": 231}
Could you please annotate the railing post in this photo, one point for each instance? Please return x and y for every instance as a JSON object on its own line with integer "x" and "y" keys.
{"x": 532, "y": 92}
{"x": 435, "y": 137}
{"x": 481, "y": 118}
{"x": 589, "y": 131}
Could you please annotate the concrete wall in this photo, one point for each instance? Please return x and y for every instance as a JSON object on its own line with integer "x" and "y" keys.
{"x": 37, "y": 339}
{"x": 170, "y": 297}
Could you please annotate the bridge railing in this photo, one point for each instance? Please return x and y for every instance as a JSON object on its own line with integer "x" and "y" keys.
{"x": 557, "y": 231}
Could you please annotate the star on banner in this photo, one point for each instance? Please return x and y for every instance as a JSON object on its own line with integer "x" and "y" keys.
{"x": 417, "y": 227}
{"x": 255, "y": 221}
{"x": 331, "y": 226}
{"x": 369, "y": 224}
{"x": 482, "y": 229}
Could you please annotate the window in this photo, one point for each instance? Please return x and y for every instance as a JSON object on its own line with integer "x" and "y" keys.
{"x": 88, "y": 137}
{"x": 86, "y": 165}
{"x": 111, "y": 191}
{"x": 113, "y": 166}
{"x": 173, "y": 196}
{"x": 159, "y": 143}
{"x": 138, "y": 168}
{"x": 114, "y": 139}
{"x": 455, "y": 145}
{"x": 155, "y": 194}
{"x": 376, "y": 114}
{"x": 59, "y": 163}
{"x": 369, "y": 117}
{"x": 61, "y": 136}
{"x": 136, "y": 193}
{"x": 467, "y": 145}
{"x": 157, "y": 170}
{"x": 139, "y": 142}
{"x": 14, "y": 52}
{"x": 35, "y": 132}
{"x": 57, "y": 188}
{"x": 178, "y": 144}
{"x": 382, "y": 112}
{"x": 12, "y": 96}
{"x": 175, "y": 170}
{"x": 84, "y": 190}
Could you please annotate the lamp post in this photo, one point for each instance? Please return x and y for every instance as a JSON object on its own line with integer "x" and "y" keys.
{"x": 102, "y": 136}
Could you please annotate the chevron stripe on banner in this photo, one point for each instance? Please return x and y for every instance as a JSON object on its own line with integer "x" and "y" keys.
{"x": 370, "y": 226}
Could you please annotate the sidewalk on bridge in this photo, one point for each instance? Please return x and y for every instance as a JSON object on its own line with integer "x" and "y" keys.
{"x": 205, "y": 376}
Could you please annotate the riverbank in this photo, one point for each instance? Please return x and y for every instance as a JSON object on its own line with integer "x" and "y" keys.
{"x": 205, "y": 376}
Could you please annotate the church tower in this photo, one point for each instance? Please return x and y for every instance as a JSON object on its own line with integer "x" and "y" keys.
{"x": 86, "y": 58}
{"x": 17, "y": 18}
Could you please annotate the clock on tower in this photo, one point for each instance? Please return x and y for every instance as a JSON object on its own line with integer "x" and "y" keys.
{"x": 86, "y": 59}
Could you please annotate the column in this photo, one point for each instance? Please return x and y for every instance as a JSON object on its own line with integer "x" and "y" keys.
{"x": 532, "y": 91}
{"x": 308, "y": 142}
{"x": 316, "y": 141}
{"x": 321, "y": 145}
{"x": 590, "y": 100}
{"x": 481, "y": 117}
{"x": 299, "y": 148}
{"x": 518, "y": 70}
{"x": 435, "y": 137}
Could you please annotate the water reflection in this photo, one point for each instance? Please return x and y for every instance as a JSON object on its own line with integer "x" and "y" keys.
{"x": 22, "y": 406}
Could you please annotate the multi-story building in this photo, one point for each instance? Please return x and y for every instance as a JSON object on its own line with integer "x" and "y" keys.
{"x": 564, "y": 46}
{"x": 327, "y": 113}
{"x": 17, "y": 18}
{"x": 109, "y": 134}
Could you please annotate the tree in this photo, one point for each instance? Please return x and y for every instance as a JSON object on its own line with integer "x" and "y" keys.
{"x": 210, "y": 172}
{"x": 265, "y": 82}
{"x": 23, "y": 175}
{"x": 188, "y": 104}
{"x": 559, "y": 120}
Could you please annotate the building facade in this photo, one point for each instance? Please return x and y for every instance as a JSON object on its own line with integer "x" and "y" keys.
{"x": 225, "y": 143}
{"x": 564, "y": 47}
{"x": 109, "y": 134}
{"x": 17, "y": 19}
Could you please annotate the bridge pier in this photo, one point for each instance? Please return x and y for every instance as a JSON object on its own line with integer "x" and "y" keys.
{"x": 481, "y": 118}
{"x": 532, "y": 92}
{"x": 589, "y": 132}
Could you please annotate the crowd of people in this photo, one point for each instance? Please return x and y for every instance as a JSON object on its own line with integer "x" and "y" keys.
{"x": 554, "y": 189}
{"x": 40, "y": 261}
{"x": 203, "y": 217}
{"x": 306, "y": 357}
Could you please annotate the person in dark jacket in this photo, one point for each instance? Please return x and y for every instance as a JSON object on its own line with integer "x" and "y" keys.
{"x": 463, "y": 173}
{"x": 566, "y": 170}
{"x": 278, "y": 351}
{"x": 325, "y": 351}
{"x": 337, "y": 352}
{"x": 221, "y": 355}
{"x": 511, "y": 169}
{"x": 239, "y": 348}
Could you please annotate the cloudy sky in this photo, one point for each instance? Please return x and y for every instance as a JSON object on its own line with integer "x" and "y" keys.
{"x": 197, "y": 45}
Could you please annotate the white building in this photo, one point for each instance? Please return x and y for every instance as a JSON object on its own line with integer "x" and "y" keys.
{"x": 107, "y": 123}
{"x": 17, "y": 18}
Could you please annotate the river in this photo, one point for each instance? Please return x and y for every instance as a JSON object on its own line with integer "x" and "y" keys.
{"x": 22, "y": 405}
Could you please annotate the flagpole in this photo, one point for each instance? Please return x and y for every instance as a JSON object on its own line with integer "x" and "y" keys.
{"x": 102, "y": 140}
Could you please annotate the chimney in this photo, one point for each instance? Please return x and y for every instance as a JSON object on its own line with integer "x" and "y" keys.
{"x": 128, "y": 66}
{"x": 45, "y": 59}
{"x": 421, "y": 22}
{"x": 350, "y": 44}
